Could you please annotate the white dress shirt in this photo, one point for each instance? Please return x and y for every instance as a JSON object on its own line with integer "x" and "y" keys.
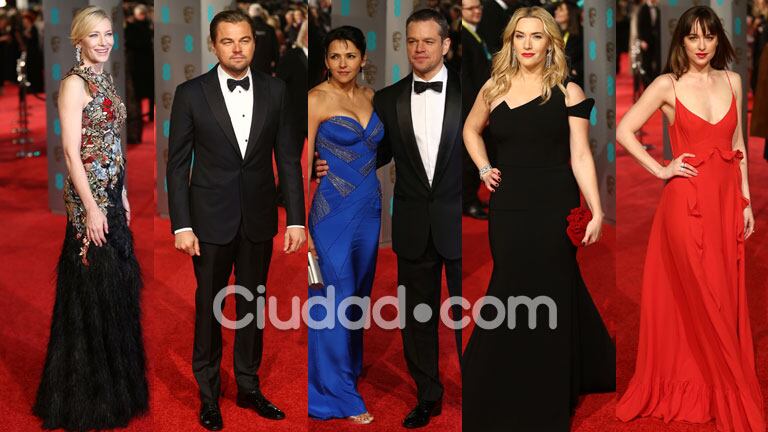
{"x": 427, "y": 110}
{"x": 239, "y": 104}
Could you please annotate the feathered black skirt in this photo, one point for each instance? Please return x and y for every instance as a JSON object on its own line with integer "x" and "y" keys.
{"x": 94, "y": 374}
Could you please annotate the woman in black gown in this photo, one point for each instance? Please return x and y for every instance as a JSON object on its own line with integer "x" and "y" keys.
{"x": 94, "y": 374}
{"x": 518, "y": 378}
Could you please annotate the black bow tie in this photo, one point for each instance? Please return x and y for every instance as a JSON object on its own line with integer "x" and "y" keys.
{"x": 245, "y": 83}
{"x": 421, "y": 86}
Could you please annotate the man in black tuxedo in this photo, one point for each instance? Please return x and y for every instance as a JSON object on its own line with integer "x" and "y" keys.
{"x": 267, "y": 48}
{"x": 649, "y": 35}
{"x": 475, "y": 71}
{"x": 293, "y": 69}
{"x": 496, "y": 15}
{"x": 422, "y": 122}
{"x": 233, "y": 118}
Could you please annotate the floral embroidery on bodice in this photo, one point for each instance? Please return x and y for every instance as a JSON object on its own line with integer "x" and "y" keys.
{"x": 100, "y": 150}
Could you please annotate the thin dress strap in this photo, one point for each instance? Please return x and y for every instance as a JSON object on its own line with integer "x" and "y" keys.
{"x": 673, "y": 85}
{"x": 729, "y": 83}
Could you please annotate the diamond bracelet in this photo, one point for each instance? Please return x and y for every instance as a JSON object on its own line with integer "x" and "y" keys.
{"x": 484, "y": 170}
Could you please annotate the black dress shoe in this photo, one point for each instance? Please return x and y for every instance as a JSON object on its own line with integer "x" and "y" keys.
{"x": 476, "y": 211}
{"x": 419, "y": 416}
{"x": 256, "y": 401}
{"x": 210, "y": 417}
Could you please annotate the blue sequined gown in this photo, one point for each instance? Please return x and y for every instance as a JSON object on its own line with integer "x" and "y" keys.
{"x": 344, "y": 223}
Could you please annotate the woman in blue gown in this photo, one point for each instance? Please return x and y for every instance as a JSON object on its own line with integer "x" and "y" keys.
{"x": 344, "y": 222}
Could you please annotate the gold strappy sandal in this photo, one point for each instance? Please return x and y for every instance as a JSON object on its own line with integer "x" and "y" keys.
{"x": 363, "y": 419}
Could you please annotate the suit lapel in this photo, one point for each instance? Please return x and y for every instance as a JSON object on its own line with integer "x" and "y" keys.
{"x": 215, "y": 99}
{"x": 405, "y": 121}
{"x": 261, "y": 98}
{"x": 451, "y": 123}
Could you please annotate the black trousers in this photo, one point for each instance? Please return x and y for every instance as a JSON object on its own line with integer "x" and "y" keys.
{"x": 212, "y": 270}
{"x": 422, "y": 281}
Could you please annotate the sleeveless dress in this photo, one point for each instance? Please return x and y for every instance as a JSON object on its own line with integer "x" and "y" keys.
{"x": 695, "y": 359}
{"x": 94, "y": 374}
{"x": 344, "y": 222}
{"x": 521, "y": 379}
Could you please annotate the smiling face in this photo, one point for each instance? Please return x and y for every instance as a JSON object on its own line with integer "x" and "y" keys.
{"x": 234, "y": 46}
{"x": 425, "y": 47}
{"x": 344, "y": 61}
{"x": 700, "y": 45}
{"x": 97, "y": 45}
{"x": 530, "y": 42}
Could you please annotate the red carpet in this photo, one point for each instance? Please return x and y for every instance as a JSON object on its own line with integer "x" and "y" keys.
{"x": 638, "y": 195}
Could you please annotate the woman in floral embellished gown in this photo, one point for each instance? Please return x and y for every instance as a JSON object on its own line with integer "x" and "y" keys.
{"x": 94, "y": 374}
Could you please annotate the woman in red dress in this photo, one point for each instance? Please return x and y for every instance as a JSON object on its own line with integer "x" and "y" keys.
{"x": 695, "y": 360}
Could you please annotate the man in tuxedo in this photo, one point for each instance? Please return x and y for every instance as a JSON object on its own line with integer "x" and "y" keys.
{"x": 267, "y": 48}
{"x": 496, "y": 15}
{"x": 292, "y": 69}
{"x": 233, "y": 119}
{"x": 475, "y": 71}
{"x": 649, "y": 34}
{"x": 422, "y": 121}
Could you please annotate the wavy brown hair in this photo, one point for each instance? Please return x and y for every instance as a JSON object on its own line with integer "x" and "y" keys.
{"x": 704, "y": 16}
{"x": 503, "y": 70}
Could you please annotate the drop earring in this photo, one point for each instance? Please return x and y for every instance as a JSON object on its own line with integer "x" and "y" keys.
{"x": 549, "y": 58}
{"x": 78, "y": 55}
{"x": 514, "y": 58}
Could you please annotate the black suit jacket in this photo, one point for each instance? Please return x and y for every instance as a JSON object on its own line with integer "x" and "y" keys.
{"x": 491, "y": 26}
{"x": 418, "y": 208}
{"x": 574, "y": 53}
{"x": 475, "y": 70}
{"x": 226, "y": 189}
{"x": 649, "y": 31}
{"x": 267, "y": 48}
{"x": 293, "y": 70}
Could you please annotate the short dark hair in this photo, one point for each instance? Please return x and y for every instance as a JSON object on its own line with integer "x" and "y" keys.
{"x": 232, "y": 17}
{"x": 345, "y": 33}
{"x": 430, "y": 15}
{"x": 677, "y": 61}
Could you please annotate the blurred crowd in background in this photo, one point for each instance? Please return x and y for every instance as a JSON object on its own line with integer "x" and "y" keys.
{"x": 280, "y": 27}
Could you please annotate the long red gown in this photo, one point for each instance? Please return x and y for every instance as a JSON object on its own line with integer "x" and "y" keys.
{"x": 695, "y": 360}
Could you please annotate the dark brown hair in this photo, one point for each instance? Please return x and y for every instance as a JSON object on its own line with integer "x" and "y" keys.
{"x": 430, "y": 15}
{"x": 574, "y": 17}
{"x": 677, "y": 62}
{"x": 229, "y": 16}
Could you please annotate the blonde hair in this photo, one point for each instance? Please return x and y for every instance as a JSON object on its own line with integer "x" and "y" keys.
{"x": 84, "y": 22}
{"x": 503, "y": 69}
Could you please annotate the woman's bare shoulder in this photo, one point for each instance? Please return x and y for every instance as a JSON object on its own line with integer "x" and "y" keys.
{"x": 318, "y": 96}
